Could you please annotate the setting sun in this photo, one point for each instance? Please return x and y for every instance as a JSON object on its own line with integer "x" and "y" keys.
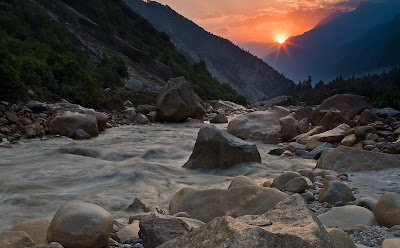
{"x": 281, "y": 38}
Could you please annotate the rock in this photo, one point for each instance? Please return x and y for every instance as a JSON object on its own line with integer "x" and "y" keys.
{"x": 219, "y": 118}
{"x": 368, "y": 203}
{"x": 79, "y": 134}
{"x": 129, "y": 232}
{"x": 137, "y": 206}
{"x": 372, "y": 136}
{"x": 330, "y": 178}
{"x": 128, "y": 112}
{"x": 290, "y": 224}
{"x": 139, "y": 118}
{"x": 205, "y": 205}
{"x": 317, "y": 152}
{"x": 349, "y": 140}
{"x": 289, "y": 126}
{"x": 68, "y": 122}
{"x": 178, "y": 101}
{"x": 307, "y": 173}
{"x": 346, "y": 159}
{"x": 385, "y": 112}
{"x": 391, "y": 243}
{"x": 101, "y": 121}
{"x": 349, "y": 105}
{"x": 128, "y": 104}
{"x": 336, "y": 191}
{"x": 114, "y": 103}
{"x": 36, "y": 229}
{"x": 241, "y": 181}
{"x": 37, "y": 107}
{"x": 80, "y": 225}
{"x": 259, "y": 125}
{"x": 293, "y": 146}
{"x": 367, "y": 117}
{"x": 304, "y": 113}
{"x": 12, "y": 117}
{"x": 390, "y": 120}
{"x": 281, "y": 181}
{"x": 145, "y": 109}
{"x": 331, "y": 136}
{"x": 340, "y": 239}
{"x": 156, "y": 230}
{"x": 15, "y": 239}
{"x": 215, "y": 148}
{"x": 303, "y": 125}
{"x": 347, "y": 217}
{"x": 387, "y": 210}
{"x": 302, "y": 138}
{"x": 276, "y": 152}
{"x": 363, "y": 131}
{"x": 296, "y": 185}
{"x": 333, "y": 119}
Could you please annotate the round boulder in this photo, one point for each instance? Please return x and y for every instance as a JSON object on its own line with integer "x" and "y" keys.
{"x": 281, "y": 181}
{"x": 336, "y": 191}
{"x": 219, "y": 118}
{"x": 387, "y": 210}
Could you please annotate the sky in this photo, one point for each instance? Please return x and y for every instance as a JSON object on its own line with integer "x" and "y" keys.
{"x": 244, "y": 21}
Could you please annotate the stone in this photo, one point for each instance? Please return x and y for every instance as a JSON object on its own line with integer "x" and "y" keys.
{"x": 259, "y": 125}
{"x": 12, "y": 117}
{"x": 317, "y": 152}
{"x": 303, "y": 125}
{"x": 215, "y": 148}
{"x": 333, "y": 119}
{"x": 145, "y": 109}
{"x": 331, "y": 136}
{"x": 368, "y": 203}
{"x": 37, "y": 107}
{"x": 68, "y": 122}
{"x": 129, "y": 232}
{"x": 330, "y": 178}
{"x": 372, "y": 136}
{"x": 367, "y": 117}
{"x": 289, "y": 126}
{"x": 281, "y": 181}
{"x": 336, "y": 191}
{"x": 36, "y": 229}
{"x": 128, "y": 104}
{"x": 307, "y": 173}
{"x": 296, "y": 185}
{"x": 302, "y": 138}
{"x": 276, "y": 152}
{"x": 15, "y": 239}
{"x": 205, "y": 205}
{"x": 290, "y": 224}
{"x": 293, "y": 146}
{"x": 340, "y": 239}
{"x": 349, "y": 105}
{"x": 385, "y": 112}
{"x": 79, "y": 134}
{"x": 347, "y": 217}
{"x": 101, "y": 121}
{"x": 349, "y": 140}
{"x": 177, "y": 101}
{"x": 156, "y": 230}
{"x": 139, "y": 118}
{"x": 80, "y": 225}
{"x": 390, "y": 120}
{"x": 219, "y": 118}
{"x": 241, "y": 181}
{"x": 387, "y": 210}
{"x": 391, "y": 243}
{"x": 346, "y": 159}
{"x": 304, "y": 113}
{"x": 363, "y": 131}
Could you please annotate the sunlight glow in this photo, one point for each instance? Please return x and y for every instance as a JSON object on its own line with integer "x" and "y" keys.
{"x": 281, "y": 38}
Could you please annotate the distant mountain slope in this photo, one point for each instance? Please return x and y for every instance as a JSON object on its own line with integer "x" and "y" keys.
{"x": 319, "y": 50}
{"x": 228, "y": 63}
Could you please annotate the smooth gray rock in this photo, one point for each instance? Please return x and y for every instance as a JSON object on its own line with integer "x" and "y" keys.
{"x": 336, "y": 191}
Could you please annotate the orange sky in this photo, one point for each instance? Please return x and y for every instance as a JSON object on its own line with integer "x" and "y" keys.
{"x": 257, "y": 20}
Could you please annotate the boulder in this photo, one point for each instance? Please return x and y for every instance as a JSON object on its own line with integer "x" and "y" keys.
{"x": 293, "y": 146}
{"x": 347, "y": 217}
{"x": 340, "y": 239}
{"x": 128, "y": 104}
{"x": 80, "y": 225}
{"x": 145, "y": 109}
{"x": 289, "y": 126}
{"x": 12, "y": 117}
{"x": 307, "y": 173}
{"x": 368, "y": 203}
{"x": 139, "y": 118}
{"x": 37, "y": 107}
{"x": 215, "y": 148}
{"x": 304, "y": 125}
{"x": 156, "y": 230}
{"x": 101, "y": 121}
{"x": 385, "y": 112}
{"x": 297, "y": 185}
{"x": 281, "y": 181}
{"x": 205, "y": 205}
{"x": 304, "y": 113}
{"x": 66, "y": 123}
{"x": 349, "y": 140}
{"x": 346, "y": 159}
{"x": 241, "y": 181}
{"x": 333, "y": 119}
{"x": 276, "y": 152}
{"x": 367, "y": 117}
{"x": 219, "y": 118}
{"x": 363, "y": 131}
{"x": 317, "y": 152}
{"x": 302, "y": 138}
{"x": 387, "y": 210}
{"x": 331, "y": 136}
{"x": 349, "y": 105}
{"x": 259, "y": 125}
{"x": 177, "y": 101}
{"x": 391, "y": 243}
{"x": 128, "y": 232}
{"x": 15, "y": 239}
{"x": 36, "y": 229}
{"x": 290, "y": 224}
{"x": 79, "y": 134}
{"x": 336, "y": 191}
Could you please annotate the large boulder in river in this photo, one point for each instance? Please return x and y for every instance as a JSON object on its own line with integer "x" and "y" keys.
{"x": 290, "y": 224}
{"x": 259, "y": 125}
{"x": 219, "y": 118}
{"x": 178, "y": 101}
{"x": 367, "y": 117}
{"x": 66, "y": 123}
{"x": 349, "y": 105}
{"x": 81, "y": 225}
{"x": 289, "y": 127}
{"x": 36, "y": 229}
{"x": 206, "y": 205}
{"x": 333, "y": 119}
{"x": 387, "y": 210}
{"x": 215, "y": 149}
{"x": 346, "y": 159}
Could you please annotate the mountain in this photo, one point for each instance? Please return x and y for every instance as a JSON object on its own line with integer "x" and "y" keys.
{"x": 227, "y": 62}
{"x": 319, "y": 50}
{"x": 259, "y": 49}
{"x": 74, "y": 49}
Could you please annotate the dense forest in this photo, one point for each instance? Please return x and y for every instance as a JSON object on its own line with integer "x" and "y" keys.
{"x": 383, "y": 88}
{"x": 37, "y": 53}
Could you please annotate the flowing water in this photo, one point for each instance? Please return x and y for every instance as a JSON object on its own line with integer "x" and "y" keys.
{"x": 38, "y": 176}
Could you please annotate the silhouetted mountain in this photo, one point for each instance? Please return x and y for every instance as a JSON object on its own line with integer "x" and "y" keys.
{"x": 227, "y": 62}
{"x": 318, "y": 51}
{"x": 259, "y": 49}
